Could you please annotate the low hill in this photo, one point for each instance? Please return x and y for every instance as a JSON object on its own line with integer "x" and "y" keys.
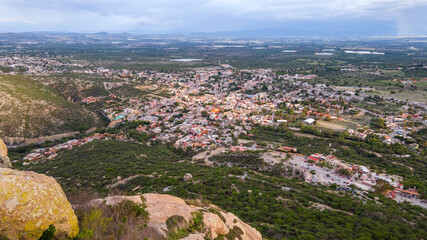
{"x": 30, "y": 109}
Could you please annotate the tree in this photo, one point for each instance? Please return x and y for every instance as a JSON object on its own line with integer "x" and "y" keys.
{"x": 344, "y": 172}
{"x": 277, "y": 169}
{"x": 382, "y": 186}
{"x": 204, "y": 114}
{"x": 378, "y": 123}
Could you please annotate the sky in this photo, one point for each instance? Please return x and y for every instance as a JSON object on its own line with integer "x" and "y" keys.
{"x": 334, "y": 17}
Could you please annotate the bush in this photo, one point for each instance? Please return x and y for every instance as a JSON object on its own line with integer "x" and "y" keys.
{"x": 94, "y": 225}
{"x": 234, "y": 233}
{"x": 49, "y": 233}
{"x": 344, "y": 172}
{"x": 196, "y": 223}
{"x": 125, "y": 220}
{"x": 177, "y": 227}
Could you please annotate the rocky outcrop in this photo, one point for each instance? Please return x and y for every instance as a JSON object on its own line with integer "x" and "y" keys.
{"x": 30, "y": 202}
{"x": 4, "y": 160}
{"x": 162, "y": 208}
{"x": 113, "y": 200}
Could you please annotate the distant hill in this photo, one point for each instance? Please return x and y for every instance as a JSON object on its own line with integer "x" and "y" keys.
{"x": 30, "y": 109}
{"x": 261, "y": 33}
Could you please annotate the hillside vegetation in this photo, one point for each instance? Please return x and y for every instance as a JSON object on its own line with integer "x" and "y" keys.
{"x": 29, "y": 109}
{"x": 278, "y": 207}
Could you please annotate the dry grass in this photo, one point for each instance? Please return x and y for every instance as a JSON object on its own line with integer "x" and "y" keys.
{"x": 415, "y": 95}
{"x": 337, "y": 126}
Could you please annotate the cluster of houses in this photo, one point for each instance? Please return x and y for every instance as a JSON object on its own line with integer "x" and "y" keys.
{"x": 197, "y": 136}
{"x": 225, "y": 109}
{"x": 360, "y": 176}
{"x": 220, "y": 97}
{"x": 362, "y": 133}
{"x": 397, "y": 132}
{"x": 40, "y": 66}
{"x": 399, "y": 190}
{"x": 298, "y": 76}
{"x": 52, "y": 152}
{"x": 90, "y": 99}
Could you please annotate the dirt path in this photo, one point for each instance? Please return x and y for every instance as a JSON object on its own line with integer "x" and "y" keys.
{"x": 376, "y": 154}
{"x": 205, "y": 157}
{"x": 307, "y": 135}
{"x": 244, "y": 141}
{"x": 322, "y": 207}
{"x": 123, "y": 181}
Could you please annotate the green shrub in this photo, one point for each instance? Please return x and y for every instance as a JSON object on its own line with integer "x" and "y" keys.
{"x": 234, "y": 233}
{"x": 124, "y": 219}
{"x": 217, "y": 213}
{"x": 94, "y": 223}
{"x": 344, "y": 172}
{"x": 177, "y": 227}
{"x": 196, "y": 223}
{"x": 49, "y": 233}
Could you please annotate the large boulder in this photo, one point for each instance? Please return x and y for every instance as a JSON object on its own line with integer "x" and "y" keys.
{"x": 30, "y": 202}
{"x": 163, "y": 208}
{"x": 4, "y": 160}
{"x": 188, "y": 177}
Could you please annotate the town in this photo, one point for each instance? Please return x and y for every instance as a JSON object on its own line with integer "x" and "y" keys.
{"x": 210, "y": 107}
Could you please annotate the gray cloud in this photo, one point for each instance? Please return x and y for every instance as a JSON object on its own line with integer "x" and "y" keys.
{"x": 203, "y": 15}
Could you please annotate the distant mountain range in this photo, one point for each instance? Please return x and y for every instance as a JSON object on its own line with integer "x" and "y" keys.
{"x": 266, "y": 33}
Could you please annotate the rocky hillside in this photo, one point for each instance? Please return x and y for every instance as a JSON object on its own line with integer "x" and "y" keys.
{"x": 278, "y": 207}
{"x": 170, "y": 217}
{"x": 31, "y": 204}
{"x": 34, "y": 206}
{"x": 29, "y": 109}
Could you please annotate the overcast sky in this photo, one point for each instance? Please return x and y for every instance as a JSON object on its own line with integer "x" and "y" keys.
{"x": 368, "y": 17}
